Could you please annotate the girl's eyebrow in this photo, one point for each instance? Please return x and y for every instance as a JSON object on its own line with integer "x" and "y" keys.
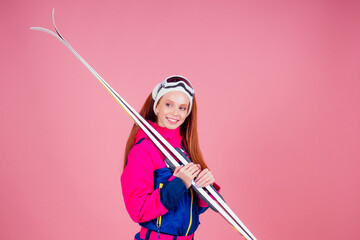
{"x": 168, "y": 100}
{"x": 182, "y": 104}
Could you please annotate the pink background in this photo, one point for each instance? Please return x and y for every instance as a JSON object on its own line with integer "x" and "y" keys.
{"x": 279, "y": 122}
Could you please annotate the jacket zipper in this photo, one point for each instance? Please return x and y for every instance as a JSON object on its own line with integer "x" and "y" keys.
{"x": 158, "y": 220}
{"x": 191, "y": 207}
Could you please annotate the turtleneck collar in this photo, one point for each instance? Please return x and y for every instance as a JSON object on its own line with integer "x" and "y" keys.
{"x": 165, "y": 132}
{"x": 171, "y": 135}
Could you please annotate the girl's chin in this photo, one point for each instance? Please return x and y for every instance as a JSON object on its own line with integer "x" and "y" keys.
{"x": 171, "y": 126}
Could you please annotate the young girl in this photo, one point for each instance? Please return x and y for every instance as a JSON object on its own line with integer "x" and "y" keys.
{"x": 160, "y": 201}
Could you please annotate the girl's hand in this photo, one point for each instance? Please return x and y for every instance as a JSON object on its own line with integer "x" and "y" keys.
{"x": 187, "y": 173}
{"x": 205, "y": 178}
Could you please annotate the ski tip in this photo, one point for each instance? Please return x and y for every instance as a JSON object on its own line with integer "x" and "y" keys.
{"x": 36, "y": 28}
{"x": 53, "y": 15}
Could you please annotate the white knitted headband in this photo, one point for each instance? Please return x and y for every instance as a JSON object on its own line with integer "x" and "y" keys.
{"x": 171, "y": 84}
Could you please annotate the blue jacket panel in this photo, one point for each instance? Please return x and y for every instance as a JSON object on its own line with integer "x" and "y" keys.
{"x": 181, "y": 220}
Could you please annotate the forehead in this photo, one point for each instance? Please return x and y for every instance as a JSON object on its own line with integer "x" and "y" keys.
{"x": 177, "y": 97}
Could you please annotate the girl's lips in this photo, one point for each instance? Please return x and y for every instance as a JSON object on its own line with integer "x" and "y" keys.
{"x": 172, "y": 121}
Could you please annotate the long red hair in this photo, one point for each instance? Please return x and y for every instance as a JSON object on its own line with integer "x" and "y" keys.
{"x": 188, "y": 131}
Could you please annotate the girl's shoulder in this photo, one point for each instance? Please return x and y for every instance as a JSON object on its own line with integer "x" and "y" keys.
{"x": 144, "y": 150}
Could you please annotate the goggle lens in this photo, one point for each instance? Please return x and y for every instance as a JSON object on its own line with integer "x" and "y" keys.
{"x": 179, "y": 79}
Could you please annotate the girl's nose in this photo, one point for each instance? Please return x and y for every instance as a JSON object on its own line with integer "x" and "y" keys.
{"x": 176, "y": 111}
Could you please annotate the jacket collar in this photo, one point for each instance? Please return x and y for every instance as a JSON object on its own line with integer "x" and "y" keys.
{"x": 169, "y": 134}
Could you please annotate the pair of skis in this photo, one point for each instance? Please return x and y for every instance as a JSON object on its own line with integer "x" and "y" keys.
{"x": 217, "y": 204}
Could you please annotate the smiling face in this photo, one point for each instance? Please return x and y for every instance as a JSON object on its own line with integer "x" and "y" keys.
{"x": 172, "y": 109}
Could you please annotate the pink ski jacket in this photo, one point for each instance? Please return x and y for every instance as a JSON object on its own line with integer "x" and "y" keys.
{"x": 153, "y": 197}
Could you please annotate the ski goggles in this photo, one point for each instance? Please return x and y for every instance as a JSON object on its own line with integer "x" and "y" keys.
{"x": 177, "y": 81}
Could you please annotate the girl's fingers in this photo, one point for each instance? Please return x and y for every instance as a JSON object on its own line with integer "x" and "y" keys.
{"x": 189, "y": 165}
{"x": 202, "y": 173}
{"x": 192, "y": 169}
{"x": 187, "y": 173}
{"x": 195, "y": 171}
{"x": 207, "y": 183}
{"x": 204, "y": 179}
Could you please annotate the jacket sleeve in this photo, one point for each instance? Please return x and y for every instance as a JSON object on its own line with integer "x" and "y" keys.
{"x": 137, "y": 181}
{"x": 142, "y": 201}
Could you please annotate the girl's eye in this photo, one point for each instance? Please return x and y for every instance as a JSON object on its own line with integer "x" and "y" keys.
{"x": 183, "y": 108}
{"x": 168, "y": 104}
